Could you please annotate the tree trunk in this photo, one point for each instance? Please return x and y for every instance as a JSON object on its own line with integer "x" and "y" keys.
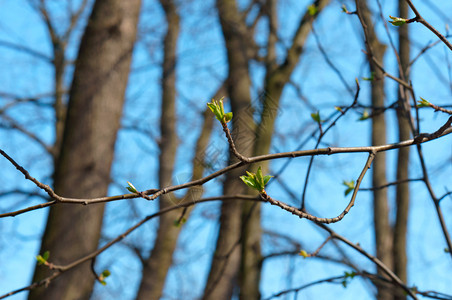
{"x": 277, "y": 76}
{"x": 382, "y": 227}
{"x": 83, "y": 167}
{"x": 157, "y": 265}
{"x": 403, "y": 157}
{"x": 239, "y": 48}
{"x": 226, "y": 261}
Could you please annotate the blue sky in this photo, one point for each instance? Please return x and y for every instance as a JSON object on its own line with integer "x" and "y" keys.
{"x": 201, "y": 69}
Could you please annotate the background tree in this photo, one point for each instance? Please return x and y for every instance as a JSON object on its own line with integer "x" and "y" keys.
{"x": 403, "y": 157}
{"x": 283, "y": 68}
{"x": 382, "y": 227}
{"x": 87, "y": 148}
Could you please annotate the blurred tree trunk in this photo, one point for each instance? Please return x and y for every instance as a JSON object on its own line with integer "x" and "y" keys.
{"x": 382, "y": 226}
{"x": 226, "y": 260}
{"x": 157, "y": 265}
{"x": 250, "y": 140}
{"x": 277, "y": 76}
{"x": 83, "y": 167}
{"x": 403, "y": 157}
{"x": 59, "y": 62}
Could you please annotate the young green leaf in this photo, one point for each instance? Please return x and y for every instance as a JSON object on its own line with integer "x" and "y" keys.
{"x": 179, "y": 222}
{"x": 217, "y": 108}
{"x": 397, "y": 21}
{"x": 344, "y": 283}
{"x": 344, "y": 8}
{"x": 106, "y": 273}
{"x": 259, "y": 177}
{"x": 371, "y": 78}
{"x": 249, "y": 182}
{"x": 364, "y": 116}
{"x": 350, "y": 274}
{"x": 131, "y": 188}
{"x": 266, "y": 179}
{"x": 42, "y": 259}
{"x": 312, "y": 10}
{"x": 303, "y": 253}
{"x": 423, "y": 103}
{"x": 228, "y": 117}
{"x": 350, "y": 186}
{"x": 316, "y": 117}
{"x": 214, "y": 107}
{"x": 251, "y": 175}
{"x": 256, "y": 181}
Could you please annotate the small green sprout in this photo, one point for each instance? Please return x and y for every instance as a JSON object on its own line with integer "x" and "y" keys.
{"x": 371, "y": 78}
{"x": 179, "y": 222}
{"x": 364, "y": 116}
{"x": 398, "y": 21}
{"x": 304, "y": 253}
{"x": 347, "y": 276}
{"x": 316, "y": 117}
{"x": 312, "y": 10}
{"x": 350, "y": 186}
{"x": 350, "y": 274}
{"x": 344, "y": 9}
{"x": 42, "y": 259}
{"x": 423, "y": 103}
{"x": 131, "y": 188}
{"x": 256, "y": 181}
{"x": 104, "y": 275}
{"x": 218, "y": 109}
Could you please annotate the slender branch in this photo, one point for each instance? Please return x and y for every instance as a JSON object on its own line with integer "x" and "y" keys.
{"x": 390, "y": 184}
{"x": 60, "y": 269}
{"x": 15, "y": 125}
{"x": 31, "y": 208}
{"x": 421, "y": 20}
{"x": 26, "y": 50}
{"x": 302, "y": 214}
{"x": 375, "y": 260}
{"x": 439, "y": 108}
{"x": 316, "y": 252}
{"x": 155, "y": 193}
{"x": 335, "y": 279}
{"x": 396, "y": 79}
{"x": 321, "y": 135}
{"x": 232, "y": 144}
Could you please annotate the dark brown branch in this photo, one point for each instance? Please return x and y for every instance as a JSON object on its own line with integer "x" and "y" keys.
{"x": 375, "y": 260}
{"x": 155, "y": 193}
{"x": 60, "y": 269}
{"x": 304, "y": 215}
{"x": 421, "y": 20}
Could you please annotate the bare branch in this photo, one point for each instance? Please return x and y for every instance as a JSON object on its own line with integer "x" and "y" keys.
{"x": 421, "y": 20}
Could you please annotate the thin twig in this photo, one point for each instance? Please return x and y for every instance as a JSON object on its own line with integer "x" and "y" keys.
{"x": 421, "y": 20}
{"x": 304, "y": 215}
{"x": 232, "y": 144}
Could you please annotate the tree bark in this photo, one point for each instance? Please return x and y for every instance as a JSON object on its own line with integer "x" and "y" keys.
{"x": 277, "y": 76}
{"x": 226, "y": 261}
{"x": 83, "y": 167}
{"x": 403, "y": 157}
{"x": 157, "y": 265}
{"x": 382, "y": 227}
